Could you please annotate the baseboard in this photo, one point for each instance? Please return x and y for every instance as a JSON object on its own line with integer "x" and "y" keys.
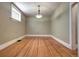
{"x": 62, "y": 42}
{"x": 39, "y": 35}
{"x": 6, "y": 44}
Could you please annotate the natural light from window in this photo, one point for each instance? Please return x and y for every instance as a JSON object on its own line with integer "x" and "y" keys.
{"x": 15, "y": 13}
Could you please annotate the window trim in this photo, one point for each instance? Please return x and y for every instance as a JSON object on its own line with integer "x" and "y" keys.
{"x": 16, "y": 11}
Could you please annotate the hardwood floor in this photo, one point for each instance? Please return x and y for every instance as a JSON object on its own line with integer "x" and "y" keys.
{"x": 37, "y": 47}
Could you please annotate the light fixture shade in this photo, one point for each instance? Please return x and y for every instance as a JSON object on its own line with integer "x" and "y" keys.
{"x": 39, "y": 16}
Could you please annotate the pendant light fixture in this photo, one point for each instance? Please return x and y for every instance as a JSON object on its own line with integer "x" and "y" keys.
{"x": 38, "y": 14}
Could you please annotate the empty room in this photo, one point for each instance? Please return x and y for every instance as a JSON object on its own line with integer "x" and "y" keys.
{"x": 38, "y": 29}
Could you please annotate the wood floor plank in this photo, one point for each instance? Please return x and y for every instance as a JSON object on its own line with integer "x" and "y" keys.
{"x": 59, "y": 50}
{"x": 34, "y": 49}
{"x": 52, "y": 49}
{"x": 62, "y": 50}
{"x": 43, "y": 49}
{"x": 13, "y": 49}
{"x": 25, "y": 49}
{"x": 37, "y": 47}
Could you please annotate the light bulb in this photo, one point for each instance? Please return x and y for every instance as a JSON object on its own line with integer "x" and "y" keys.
{"x": 39, "y": 16}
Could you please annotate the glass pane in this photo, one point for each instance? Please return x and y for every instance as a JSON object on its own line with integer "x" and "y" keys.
{"x": 16, "y": 14}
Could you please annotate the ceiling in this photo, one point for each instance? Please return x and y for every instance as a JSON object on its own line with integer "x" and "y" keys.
{"x": 47, "y": 8}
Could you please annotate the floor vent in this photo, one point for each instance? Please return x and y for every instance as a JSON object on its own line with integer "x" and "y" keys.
{"x": 18, "y": 40}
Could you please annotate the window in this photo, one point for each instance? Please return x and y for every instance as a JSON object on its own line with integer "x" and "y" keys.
{"x": 15, "y": 13}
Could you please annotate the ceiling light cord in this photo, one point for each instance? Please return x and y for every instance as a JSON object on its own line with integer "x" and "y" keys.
{"x": 38, "y": 9}
{"x": 38, "y": 14}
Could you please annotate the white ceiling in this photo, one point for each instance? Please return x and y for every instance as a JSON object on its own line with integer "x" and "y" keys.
{"x": 30, "y": 8}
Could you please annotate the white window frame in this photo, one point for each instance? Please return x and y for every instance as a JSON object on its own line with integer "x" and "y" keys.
{"x": 15, "y": 13}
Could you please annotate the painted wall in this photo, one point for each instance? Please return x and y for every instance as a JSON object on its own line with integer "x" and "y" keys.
{"x": 60, "y": 23}
{"x": 38, "y": 26}
{"x": 74, "y": 26}
{"x": 78, "y": 28}
{"x": 9, "y": 28}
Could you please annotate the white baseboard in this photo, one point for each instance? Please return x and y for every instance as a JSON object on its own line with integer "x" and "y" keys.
{"x": 40, "y": 35}
{"x": 62, "y": 42}
{"x": 6, "y": 44}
